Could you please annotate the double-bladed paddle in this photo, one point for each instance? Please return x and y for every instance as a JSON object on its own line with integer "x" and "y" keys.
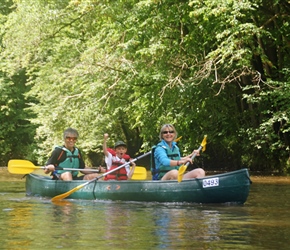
{"x": 182, "y": 168}
{"x": 64, "y": 195}
{"x": 26, "y": 167}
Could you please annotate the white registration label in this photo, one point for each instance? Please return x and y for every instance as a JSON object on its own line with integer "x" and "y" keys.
{"x": 212, "y": 182}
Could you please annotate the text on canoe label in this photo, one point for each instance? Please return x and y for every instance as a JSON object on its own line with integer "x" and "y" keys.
{"x": 212, "y": 182}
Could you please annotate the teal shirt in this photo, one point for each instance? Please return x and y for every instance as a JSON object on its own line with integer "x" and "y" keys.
{"x": 162, "y": 156}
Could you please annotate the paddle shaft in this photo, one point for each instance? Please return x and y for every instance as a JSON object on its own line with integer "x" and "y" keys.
{"x": 113, "y": 170}
{"x": 26, "y": 167}
{"x": 62, "y": 196}
{"x": 75, "y": 169}
{"x": 183, "y": 168}
{"x": 193, "y": 156}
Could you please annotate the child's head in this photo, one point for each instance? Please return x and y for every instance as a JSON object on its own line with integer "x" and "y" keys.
{"x": 120, "y": 148}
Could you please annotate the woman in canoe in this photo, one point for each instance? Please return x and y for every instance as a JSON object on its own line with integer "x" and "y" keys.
{"x": 69, "y": 156}
{"x": 115, "y": 158}
{"x": 167, "y": 157}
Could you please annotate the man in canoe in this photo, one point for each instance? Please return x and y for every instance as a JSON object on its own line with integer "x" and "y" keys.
{"x": 69, "y": 156}
{"x": 115, "y": 158}
{"x": 167, "y": 158}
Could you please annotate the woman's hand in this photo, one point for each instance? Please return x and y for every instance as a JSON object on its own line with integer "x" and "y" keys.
{"x": 184, "y": 160}
{"x": 196, "y": 152}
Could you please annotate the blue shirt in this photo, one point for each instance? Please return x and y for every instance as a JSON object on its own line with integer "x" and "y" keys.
{"x": 160, "y": 156}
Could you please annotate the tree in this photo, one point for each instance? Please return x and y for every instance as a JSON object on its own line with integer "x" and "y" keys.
{"x": 127, "y": 67}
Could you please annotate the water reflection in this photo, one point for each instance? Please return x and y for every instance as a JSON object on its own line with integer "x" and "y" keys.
{"x": 62, "y": 212}
{"x": 20, "y": 220}
{"x": 118, "y": 221}
{"x": 211, "y": 224}
{"x": 36, "y": 223}
{"x": 192, "y": 224}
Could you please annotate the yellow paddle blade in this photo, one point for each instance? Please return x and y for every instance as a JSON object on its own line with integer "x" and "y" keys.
{"x": 181, "y": 171}
{"x": 64, "y": 195}
{"x": 203, "y": 143}
{"x": 178, "y": 139}
{"x": 21, "y": 167}
{"x": 140, "y": 173}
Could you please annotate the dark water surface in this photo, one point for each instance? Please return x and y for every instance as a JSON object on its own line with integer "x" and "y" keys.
{"x": 263, "y": 222}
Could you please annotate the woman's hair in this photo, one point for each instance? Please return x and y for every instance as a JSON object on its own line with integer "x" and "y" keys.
{"x": 70, "y": 131}
{"x": 170, "y": 127}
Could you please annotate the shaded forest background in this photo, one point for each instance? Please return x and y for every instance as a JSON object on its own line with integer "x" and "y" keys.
{"x": 211, "y": 67}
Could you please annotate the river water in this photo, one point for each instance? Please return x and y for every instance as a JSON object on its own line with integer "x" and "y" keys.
{"x": 263, "y": 222}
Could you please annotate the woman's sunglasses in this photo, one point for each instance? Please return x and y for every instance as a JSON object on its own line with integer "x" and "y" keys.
{"x": 167, "y": 132}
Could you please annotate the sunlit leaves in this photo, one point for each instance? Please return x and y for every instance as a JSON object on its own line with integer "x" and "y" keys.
{"x": 126, "y": 67}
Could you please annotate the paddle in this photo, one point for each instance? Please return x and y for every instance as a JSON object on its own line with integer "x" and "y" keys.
{"x": 140, "y": 173}
{"x": 178, "y": 139}
{"x": 64, "y": 195}
{"x": 27, "y": 167}
{"x": 182, "y": 168}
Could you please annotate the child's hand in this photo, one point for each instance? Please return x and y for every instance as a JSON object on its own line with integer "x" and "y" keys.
{"x": 106, "y": 136}
{"x": 132, "y": 163}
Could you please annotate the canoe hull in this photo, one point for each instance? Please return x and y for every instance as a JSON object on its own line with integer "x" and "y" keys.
{"x": 232, "y": 187}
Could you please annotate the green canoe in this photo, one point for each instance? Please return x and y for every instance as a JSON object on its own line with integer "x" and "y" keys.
{"x": 231, "y": 187}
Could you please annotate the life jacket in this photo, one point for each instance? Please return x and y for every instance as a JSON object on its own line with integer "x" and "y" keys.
{"x": 157, "y": 174}
{"x": 120, "y": 174}
{"x": 71, "y": 161}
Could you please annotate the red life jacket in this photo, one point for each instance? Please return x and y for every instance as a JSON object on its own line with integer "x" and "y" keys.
{"x": 120, "y": 174}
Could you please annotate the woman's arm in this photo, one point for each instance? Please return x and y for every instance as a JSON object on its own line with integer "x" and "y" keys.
{"x": 161, "y": 156}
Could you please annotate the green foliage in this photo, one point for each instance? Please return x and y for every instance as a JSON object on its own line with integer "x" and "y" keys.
{"x": 16, "y": 132}
{"x": 271, "y": 138}
{"x": 126, "y": 67}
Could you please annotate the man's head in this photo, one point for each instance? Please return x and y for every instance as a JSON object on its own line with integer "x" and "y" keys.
{"x": 70, "y": 137}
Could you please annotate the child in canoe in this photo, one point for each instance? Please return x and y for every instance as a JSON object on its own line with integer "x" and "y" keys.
{"x": 115, "y": 158}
